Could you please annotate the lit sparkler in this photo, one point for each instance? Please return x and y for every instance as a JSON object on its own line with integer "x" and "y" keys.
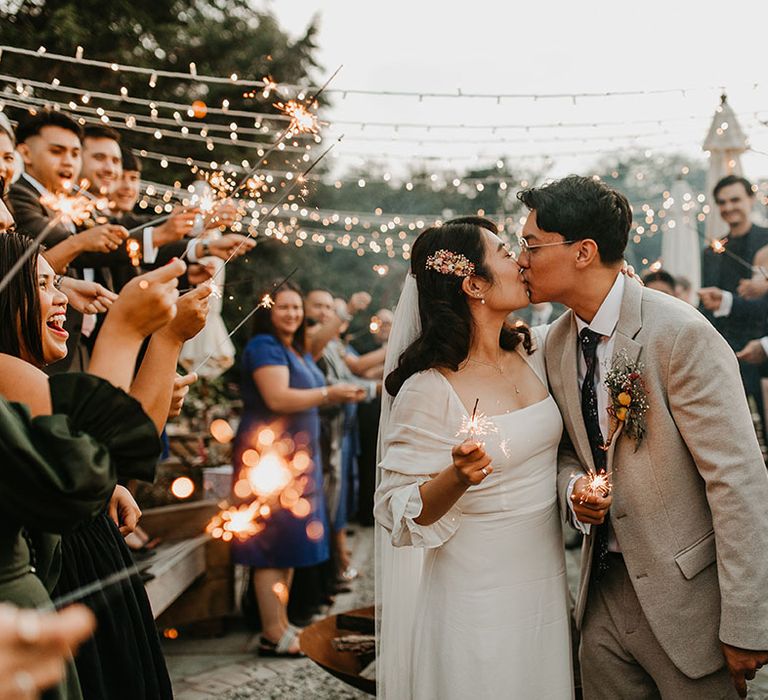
{"x": 241, "y": 522}
{"x": 68, "y": 208}
{"x": 719, "y": 247}
{"x": 303, "y": 120}
{"x": 270, "y": 85}
{"x": 476, "y": 424}
{"x": 266, "y": 302}
{"x": 134, "y": 251}
{"x": 71, "y": 208}
{"x": 299, "y": 180}
{"x": 598, "y": 484}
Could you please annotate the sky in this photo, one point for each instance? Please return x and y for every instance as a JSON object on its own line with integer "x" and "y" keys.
{"x": 500, "y": 47}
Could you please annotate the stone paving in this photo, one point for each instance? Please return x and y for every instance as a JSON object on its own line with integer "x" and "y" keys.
{"x": 228, "y": 668}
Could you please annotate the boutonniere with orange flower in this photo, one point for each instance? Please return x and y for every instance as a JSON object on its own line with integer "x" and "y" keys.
{"x": 628, "y": 401}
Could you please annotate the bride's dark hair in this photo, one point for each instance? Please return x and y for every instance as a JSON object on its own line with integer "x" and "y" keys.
{"x": 446, "y": 320}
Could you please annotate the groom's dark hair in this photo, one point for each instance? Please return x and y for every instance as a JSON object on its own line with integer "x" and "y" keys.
{"x": 579, "y": 207}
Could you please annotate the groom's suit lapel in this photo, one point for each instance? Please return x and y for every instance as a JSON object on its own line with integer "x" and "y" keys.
{"x": 629, "y": 325}
{"x": 625, "y": 345}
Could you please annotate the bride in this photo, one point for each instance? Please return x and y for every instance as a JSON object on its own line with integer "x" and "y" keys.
{"x": 471, "y": 587}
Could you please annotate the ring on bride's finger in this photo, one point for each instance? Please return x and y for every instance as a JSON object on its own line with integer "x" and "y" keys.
{"x": 485, "y": 471}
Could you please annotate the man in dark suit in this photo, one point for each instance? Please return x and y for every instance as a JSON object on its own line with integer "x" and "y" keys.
{"x": 739, "y": 320}
{"x": 50, "y": 145}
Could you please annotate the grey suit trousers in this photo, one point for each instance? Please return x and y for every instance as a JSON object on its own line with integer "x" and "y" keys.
{"x": 620, "y": 656}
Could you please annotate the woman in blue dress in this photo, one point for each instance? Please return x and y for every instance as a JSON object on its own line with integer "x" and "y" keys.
{"x": 282, "y": 386}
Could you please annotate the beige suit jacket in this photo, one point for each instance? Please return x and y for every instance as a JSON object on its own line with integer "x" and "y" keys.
{"x": 690, "y": 504}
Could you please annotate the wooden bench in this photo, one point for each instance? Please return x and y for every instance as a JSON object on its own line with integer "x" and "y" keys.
{"x": 192, "y": 574}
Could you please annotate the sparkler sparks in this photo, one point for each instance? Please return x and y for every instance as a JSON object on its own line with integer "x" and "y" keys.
{"x": 266, "y": 303}
{"x": 72, "y": 208}
{"x": 240, "y": 522}
{"x": 598, "y": 484}
{"x": 303, "y": 121}
{"x": 270, "y": 85}
{"x": 134, "y": 251}
{"x": 477, "y": 424}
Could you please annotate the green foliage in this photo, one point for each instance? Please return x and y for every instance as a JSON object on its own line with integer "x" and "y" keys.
{"x": 220, "y": 37}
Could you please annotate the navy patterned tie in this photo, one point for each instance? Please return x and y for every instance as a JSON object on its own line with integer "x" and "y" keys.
{"x": 589, "y": 341}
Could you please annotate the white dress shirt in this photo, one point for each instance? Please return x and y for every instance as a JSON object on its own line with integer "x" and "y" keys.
{"x": 605, "y": 321}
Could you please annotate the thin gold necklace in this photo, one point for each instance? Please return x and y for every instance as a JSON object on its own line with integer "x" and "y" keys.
{"x": 497, "y": 368}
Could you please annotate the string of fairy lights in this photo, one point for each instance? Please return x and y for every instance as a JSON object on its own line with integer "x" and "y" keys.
{"x": 271, "y": 193}
{"x": 375, "y": 232}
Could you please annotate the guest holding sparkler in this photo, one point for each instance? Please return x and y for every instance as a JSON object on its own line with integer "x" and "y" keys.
{"x": 282, "y": 390}
{"x": 330, "y": 319}
{"x": 741, "y": 321}
{"x": 34, "y": 647}
{"x": 124, "y": 659}
{"x": 474, "y": 601}
{"x": 64, "y": 449}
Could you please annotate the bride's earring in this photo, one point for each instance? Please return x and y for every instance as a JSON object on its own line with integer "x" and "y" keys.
{"x": 482, "y": 301}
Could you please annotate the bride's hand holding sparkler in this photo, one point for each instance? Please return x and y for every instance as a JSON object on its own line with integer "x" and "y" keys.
{"x": 591, "y": 498}
{"x": 471, "y": 463}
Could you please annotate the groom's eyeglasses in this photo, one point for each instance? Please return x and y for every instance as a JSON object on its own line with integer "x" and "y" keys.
{"x": 524, "y": 247}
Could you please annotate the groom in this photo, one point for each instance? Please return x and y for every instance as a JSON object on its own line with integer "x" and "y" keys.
{"x": 673, "y": 598}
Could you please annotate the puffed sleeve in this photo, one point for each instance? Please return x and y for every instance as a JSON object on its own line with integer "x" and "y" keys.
{"x": 51, "y": 478}
{"x": 263, "y": 350}
{"x": 416, "y": 448}
{"x": 110, "y": 417}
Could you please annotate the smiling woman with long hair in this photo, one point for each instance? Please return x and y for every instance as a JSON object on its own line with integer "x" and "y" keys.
{"x": 282, "y": 389}
{"x": 124, "y": 659}
{"x": 68, "y": 454}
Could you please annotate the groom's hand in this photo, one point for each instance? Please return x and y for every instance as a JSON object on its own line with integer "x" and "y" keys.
{"x": 590, "y": 508}
{"x": 742, "y": 665}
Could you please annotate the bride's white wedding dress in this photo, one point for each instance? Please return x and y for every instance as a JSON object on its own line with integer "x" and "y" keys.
{"x": 491, "y": 615}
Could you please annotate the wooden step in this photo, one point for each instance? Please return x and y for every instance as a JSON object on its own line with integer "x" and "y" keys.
{"x": 174, "y": 567}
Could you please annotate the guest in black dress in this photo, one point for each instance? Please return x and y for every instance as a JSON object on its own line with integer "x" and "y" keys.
{"x": 124, "y": 659}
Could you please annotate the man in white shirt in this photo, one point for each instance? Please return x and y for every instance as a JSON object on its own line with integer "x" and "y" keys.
{"x": 672, "y": 594}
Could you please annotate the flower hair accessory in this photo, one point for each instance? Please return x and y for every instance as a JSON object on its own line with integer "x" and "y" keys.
{"x": 447, "y": 262}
